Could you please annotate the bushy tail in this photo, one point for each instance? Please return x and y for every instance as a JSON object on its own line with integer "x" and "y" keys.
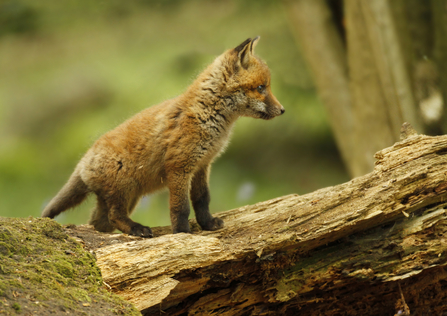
{"x": 71, "y": 194}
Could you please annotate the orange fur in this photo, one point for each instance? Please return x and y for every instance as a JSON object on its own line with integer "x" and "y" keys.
{"x": 171, "y": 145}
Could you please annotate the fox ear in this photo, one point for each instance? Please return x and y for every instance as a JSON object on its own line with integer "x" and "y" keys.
{"x": 243, "y": 45}
{"x": 245, "y": 51}
{"x": 253, "y": 43}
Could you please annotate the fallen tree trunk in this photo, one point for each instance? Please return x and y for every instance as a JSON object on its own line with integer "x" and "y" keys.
{"x": 372, "y": 246}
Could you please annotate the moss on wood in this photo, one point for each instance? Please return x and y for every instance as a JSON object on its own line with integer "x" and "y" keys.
{"x": 44, "y": 271}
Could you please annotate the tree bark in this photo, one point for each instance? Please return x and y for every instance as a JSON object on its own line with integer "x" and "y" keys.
{"x": 340, "y": 250}
{"x": 439, "y": 9}
{"x": 368, "y": 83}
{"x": 314, "y": 29}
{"x": 380, "y": 83}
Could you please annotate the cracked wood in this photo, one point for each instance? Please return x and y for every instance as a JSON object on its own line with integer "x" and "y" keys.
{"x": 237, "y": 268}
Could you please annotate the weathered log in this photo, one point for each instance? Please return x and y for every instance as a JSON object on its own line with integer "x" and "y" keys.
{"x": 341, "y": 250}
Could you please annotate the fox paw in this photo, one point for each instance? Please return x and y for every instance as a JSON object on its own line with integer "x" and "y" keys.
{"x": 214, "y": 224}
{"x": 182, "y": 229}
{"x": 140, "y": 231}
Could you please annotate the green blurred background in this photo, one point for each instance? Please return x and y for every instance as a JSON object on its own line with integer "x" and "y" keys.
{"x": 72, "y": 70}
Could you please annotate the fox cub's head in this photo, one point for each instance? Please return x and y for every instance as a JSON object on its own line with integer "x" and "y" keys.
{"x": 250, "y": 81}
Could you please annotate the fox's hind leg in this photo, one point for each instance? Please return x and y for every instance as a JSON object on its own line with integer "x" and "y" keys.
{"x": 120, "y": 207}
{"x": 100, "y": 217}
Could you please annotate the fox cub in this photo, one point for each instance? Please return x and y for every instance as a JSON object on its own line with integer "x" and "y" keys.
{"x": 171, "y": 145}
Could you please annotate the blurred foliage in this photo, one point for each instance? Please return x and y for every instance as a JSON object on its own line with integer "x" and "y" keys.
{"x": 17, "y": 18}
{"x": 72, "y": 70}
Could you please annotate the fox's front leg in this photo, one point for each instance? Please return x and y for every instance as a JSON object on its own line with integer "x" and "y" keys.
{"x": 200, "y": 197}
{"x": 178, "y": 201}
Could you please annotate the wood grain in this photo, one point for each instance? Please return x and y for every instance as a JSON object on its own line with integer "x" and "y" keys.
{"x": 288, "y": 253}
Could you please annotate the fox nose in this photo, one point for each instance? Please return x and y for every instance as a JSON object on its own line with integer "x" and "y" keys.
{"x": 283, "y": 110}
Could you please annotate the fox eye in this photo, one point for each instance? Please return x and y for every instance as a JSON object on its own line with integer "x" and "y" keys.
{"x": 260, "y": 88}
